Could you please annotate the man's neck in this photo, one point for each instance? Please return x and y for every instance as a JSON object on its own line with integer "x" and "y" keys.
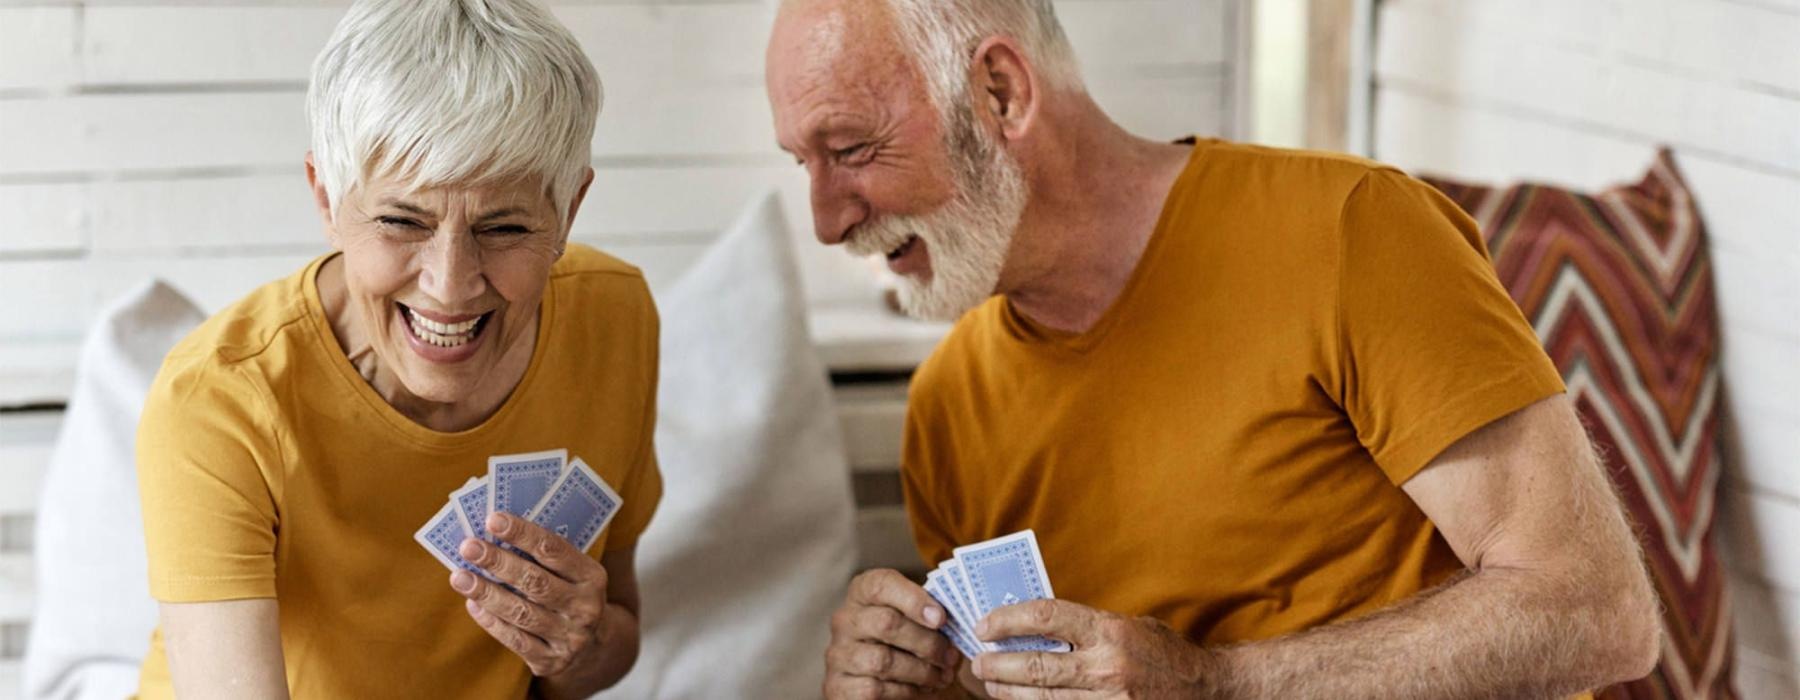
{"x": 1094, "y": 210}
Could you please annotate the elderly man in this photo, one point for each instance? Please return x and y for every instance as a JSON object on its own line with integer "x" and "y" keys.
{"x": 1280, "y": 431}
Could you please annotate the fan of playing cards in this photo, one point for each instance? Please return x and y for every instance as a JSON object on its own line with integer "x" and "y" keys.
{"x": 546, "y": 488}
{"x": 982, "y": 577}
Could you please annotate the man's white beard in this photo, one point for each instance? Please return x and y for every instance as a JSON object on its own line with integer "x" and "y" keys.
{"x": 967, "y": 238}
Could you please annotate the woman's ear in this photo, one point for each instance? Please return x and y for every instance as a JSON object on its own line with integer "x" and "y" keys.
{"x": 575, "y": 207}
{"x": 321, "y": 200}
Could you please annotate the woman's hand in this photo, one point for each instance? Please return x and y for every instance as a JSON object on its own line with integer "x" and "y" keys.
{"x": 556, "y": 621}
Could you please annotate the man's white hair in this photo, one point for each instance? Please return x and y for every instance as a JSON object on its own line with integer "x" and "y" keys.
{"x": 442, "y": 92}
{"x": 942, "y": 36}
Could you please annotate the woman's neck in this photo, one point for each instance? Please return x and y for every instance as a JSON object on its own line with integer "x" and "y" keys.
{"x": 354, "y": 341}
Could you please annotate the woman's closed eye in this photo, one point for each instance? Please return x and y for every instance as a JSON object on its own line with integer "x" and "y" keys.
{"x": 398, "y": 222}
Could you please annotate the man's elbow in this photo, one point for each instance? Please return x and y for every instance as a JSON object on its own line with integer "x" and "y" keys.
{"x": 1631, "y": 628}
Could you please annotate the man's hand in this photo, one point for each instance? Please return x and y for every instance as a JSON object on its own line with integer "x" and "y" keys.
{"x": 555, "y": 621}
{"x": 1113, "y": 657}
{"x": 885, "y": 643}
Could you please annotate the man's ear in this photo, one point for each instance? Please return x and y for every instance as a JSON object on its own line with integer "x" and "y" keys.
{"x": 1006, "y": 86}
{"x": 321, "y": 200}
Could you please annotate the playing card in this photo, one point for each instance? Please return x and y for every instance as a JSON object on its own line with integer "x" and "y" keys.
{"x": 472, "y": 501}
{"x": 520, "y": 481}
{"x": 1007, "y": 571}
{"x": 579, "y": 506}
{"x": 956, "y": 629}
{"x": 442, "y": 535}
{"x": 957, "y": 587}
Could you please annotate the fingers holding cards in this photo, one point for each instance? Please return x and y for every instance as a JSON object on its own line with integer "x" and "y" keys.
{"x": 987, "y": 577}
{"x": 564, "y": 497}
{"x": 886, "y": 633}
{"x": 529, "y": 580}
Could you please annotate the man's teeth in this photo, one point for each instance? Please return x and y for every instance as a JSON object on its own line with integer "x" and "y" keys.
{"x": 447, "y": 335}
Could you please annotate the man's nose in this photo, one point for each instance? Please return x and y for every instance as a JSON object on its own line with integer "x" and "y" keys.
{"x": 451, "y": 271}
{"x": 836, "y": 208}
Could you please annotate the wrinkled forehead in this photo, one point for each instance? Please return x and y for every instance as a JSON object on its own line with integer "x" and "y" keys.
{"x": 525, "y": 193}
{"x": 835, "y": 59}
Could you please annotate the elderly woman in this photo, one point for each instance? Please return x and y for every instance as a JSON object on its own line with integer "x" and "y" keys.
{"x": 292, "y": 445}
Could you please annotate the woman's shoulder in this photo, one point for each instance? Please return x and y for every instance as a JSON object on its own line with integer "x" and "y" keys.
{"x": 243, "y": 331}
{"x": 584, "y": 261}
{"x": 592, "y": 279}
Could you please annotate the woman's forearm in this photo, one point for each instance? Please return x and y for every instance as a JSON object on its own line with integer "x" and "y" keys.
{"x": 227, "y": 649}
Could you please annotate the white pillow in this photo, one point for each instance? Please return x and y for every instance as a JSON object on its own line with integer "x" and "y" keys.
{"x": 754, "y": 542}
{"x": 94, "y": 612}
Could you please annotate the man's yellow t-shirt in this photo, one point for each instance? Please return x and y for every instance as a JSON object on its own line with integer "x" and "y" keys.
{"x": 270, "y": 469}
{"x": 1224, "y": 450}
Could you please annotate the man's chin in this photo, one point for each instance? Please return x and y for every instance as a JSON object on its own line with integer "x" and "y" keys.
{"x": 921, "y": 302}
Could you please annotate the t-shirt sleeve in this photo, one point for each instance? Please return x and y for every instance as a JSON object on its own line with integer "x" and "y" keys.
{"x": 1431, "y": 346}
{"x": 643, "y": 487}
{"x": 205, "y": 449}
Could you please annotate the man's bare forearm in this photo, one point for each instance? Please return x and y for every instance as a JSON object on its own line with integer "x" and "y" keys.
{"x": 1496, "y": 633}
{"x": 616, "y": 658}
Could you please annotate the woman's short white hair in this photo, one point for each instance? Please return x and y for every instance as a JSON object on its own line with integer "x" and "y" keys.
{"x": 452, "y": 92}
{"x": 942, "y": 36}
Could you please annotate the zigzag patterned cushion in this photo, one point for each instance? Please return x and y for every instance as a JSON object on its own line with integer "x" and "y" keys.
{"x": 1619, "y": 288}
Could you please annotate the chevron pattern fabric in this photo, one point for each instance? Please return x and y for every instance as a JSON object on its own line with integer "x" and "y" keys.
{"x": 1619, "y": 288}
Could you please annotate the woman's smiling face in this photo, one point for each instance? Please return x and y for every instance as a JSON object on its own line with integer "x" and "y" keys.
{"x": 444, "y": 281}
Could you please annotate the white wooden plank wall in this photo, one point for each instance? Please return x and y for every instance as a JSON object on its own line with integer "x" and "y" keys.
{"x": 141, "y": 138}
{"x": 1579, "y": 92}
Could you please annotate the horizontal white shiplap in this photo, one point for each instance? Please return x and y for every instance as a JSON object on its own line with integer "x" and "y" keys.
{"x": 1744, "y": 42}
{"x": 44, "y": 219}
{"x": 187, "y": 44}
{"x": 1483, "y": 66}
{"x": 244, "y": 212}
{"x": 1108, "y": 34}
{"x": 1759, "y": 531}
{"x": 25, "y": 441}
{"x": 17, "y": 587}
{"x": 37, "y": 371}
{"x": 1762, "y": 614}
{"x": 37, "y": 46}
{"x": 1167, "y": 107}
{"x": 1761, "y": 676}
{"x": 160, "y": 133}
{"x": 169, "y": 131}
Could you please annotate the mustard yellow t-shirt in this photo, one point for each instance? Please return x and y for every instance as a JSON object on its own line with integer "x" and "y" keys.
{"x": 1224, "y": 450}
{"x": 270, "y": 469}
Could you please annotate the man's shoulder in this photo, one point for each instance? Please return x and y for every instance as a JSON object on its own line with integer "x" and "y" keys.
{"x": 1294, "y": 176}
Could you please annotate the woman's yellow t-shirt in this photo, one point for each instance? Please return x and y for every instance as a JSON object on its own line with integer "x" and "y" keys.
{"x": 269, "y": 469}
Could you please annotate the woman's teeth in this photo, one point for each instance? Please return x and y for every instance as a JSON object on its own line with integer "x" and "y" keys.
{"x": 444, "y": 335}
